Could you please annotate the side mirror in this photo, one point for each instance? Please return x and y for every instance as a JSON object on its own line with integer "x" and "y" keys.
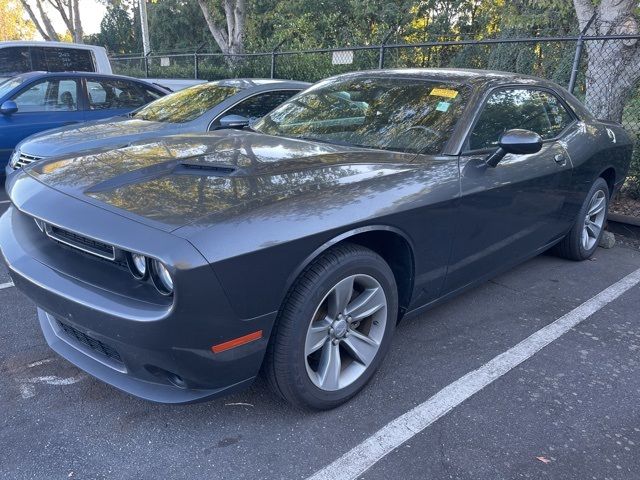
{"x": 234, "y": 121}
{"x": 516, "y": 141}
{"x": 8, "y": 107}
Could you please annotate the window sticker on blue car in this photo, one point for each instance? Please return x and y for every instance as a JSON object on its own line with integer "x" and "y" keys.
{"x": 443, "y": 106}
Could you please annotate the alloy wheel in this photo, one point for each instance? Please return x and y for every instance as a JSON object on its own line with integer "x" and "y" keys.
{"x": 345, "y": 332}
{"x": 594, "y": 220}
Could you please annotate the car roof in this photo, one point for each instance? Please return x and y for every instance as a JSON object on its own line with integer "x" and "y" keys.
{"x": 47, "y": 44}
{"x": 462, "y": 75}
{"x": 32, "y": 75}
{"x": 243, "y": 83}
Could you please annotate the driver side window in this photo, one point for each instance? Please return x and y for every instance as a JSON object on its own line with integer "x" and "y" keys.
{"x": 258, "y": 105}
{"x": 48, "y": 96}
{"x": 534, "y": 110}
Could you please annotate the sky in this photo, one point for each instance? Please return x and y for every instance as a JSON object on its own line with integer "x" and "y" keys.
{"x": 91, "y": 13}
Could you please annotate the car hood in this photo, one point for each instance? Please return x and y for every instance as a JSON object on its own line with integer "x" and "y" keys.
{"x": 111, "y": 133}
{"x": 177, "y": 180}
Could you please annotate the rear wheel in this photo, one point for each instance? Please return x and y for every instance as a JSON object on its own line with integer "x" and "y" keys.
{"x": 334, "y": 328}
{"x": 583, "y": 239}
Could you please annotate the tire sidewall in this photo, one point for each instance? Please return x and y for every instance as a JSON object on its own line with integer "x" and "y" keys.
{"x": 373, "y": 266}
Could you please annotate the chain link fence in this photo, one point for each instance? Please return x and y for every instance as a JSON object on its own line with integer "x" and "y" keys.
{"x": 603, "y": 71}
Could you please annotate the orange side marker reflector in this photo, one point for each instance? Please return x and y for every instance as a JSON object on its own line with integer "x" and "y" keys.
{"x": 236, "y": 342}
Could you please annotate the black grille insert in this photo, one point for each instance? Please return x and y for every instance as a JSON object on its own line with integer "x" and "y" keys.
{"x": 90, "y": 342}
{"x": 81, "y": 242}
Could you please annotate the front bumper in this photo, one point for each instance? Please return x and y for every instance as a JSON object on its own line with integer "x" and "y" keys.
{"x": 98, "y": 366}
{"x": 163, "y": 347}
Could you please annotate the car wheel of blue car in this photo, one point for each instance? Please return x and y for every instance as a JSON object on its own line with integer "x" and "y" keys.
{"x": 334, "y": 329}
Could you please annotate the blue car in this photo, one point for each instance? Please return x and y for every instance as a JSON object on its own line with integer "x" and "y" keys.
{"x": 37, "y": 101}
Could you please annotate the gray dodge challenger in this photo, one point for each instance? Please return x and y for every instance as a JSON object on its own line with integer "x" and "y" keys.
{"x": 177, "y": 269}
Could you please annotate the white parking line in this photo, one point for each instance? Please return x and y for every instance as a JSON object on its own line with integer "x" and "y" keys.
{"x": 362, "y": 457}
{"x": 6, "y": 285}
{"x": 5, "y": 201}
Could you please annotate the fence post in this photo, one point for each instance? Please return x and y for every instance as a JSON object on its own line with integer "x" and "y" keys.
{"x": 273, "y": 64}
{"x": 146, "y": 65}
{"x": 576, "y": 59}
{"x": 274, "y": 52}
{"x": 196, "y": 61}
{"x": 382, "y": 45}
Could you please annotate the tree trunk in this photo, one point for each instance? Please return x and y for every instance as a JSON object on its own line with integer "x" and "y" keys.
{"x": 69, "y": 11}
{"x": 613, "y": 72}
{"x": 613, "y": 66}
{"x": 78, "y": 34}
{"x": 230, "y": 38}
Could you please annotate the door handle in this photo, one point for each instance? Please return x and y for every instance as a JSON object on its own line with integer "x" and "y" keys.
{"x": 560, "y": 159}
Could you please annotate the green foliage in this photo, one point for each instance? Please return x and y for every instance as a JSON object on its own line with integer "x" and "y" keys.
{"x": 177, "y": 26}
{"x": 117, "y": 31}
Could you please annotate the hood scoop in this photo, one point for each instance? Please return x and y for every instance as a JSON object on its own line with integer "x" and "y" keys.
{"x": 160, "y": 170}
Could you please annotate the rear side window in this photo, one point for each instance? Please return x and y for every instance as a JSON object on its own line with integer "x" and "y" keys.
{"x": 534, "y": 110}
{"x": 52, "y": 59}
{"x": 14, "y": 60}
{"x": 54, "y": 95}
{"x": 117, "y": 94}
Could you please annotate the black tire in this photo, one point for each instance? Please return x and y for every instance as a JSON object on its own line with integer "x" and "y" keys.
{"x": 286, "y": 363}
{"x": 571, "y": 247}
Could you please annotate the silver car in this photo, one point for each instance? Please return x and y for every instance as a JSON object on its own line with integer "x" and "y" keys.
{"x": 210, "y": 106}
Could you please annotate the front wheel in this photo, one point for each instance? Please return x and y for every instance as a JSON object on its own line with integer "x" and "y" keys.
{"x": 583, "y": 239}
{"x": 334, "y": 328}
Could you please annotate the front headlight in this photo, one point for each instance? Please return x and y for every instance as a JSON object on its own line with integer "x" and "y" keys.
{"x": 161, "y": 277}
{"x": 137, "y": 265}
{"x": 15, "y": 156}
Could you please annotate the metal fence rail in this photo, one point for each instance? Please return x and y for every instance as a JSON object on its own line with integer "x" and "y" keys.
{"x": 604, "y": 71}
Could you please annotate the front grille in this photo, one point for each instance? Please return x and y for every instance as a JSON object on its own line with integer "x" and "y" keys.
{"x": 90, "y": 342}
{"x": 24, "y": 160}
{"x": 86, "y": 244}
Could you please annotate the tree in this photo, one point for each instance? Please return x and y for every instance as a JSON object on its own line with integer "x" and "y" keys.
{"x": 168, "y": 22}
{"x": 13, "y": 26}
{"x": 613, "y": 66}
{"x": 226, "y": 23}
{"x": 117, "y": 33}
{"x": 68, "y": 10}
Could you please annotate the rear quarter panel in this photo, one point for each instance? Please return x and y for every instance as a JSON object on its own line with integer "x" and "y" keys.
{"x": 595, "y": 147}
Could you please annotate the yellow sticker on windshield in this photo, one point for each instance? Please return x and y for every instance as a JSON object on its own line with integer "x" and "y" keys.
{"x": 444, "y": 92}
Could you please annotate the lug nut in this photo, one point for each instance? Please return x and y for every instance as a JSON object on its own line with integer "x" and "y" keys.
{"x": 336, "y": 341}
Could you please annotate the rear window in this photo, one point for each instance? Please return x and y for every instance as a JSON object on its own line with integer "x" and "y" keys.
{"x": 15, "y": 60}
{"x": 55, "y": 59}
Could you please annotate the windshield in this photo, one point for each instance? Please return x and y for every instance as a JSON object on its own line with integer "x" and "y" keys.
{"x": 185, "y": 105}
{"x": 406, "y": 115}
{"x": 9, "y": 84}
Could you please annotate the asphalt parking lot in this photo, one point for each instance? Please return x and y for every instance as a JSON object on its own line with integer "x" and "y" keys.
{"x": 569, "y": 411}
